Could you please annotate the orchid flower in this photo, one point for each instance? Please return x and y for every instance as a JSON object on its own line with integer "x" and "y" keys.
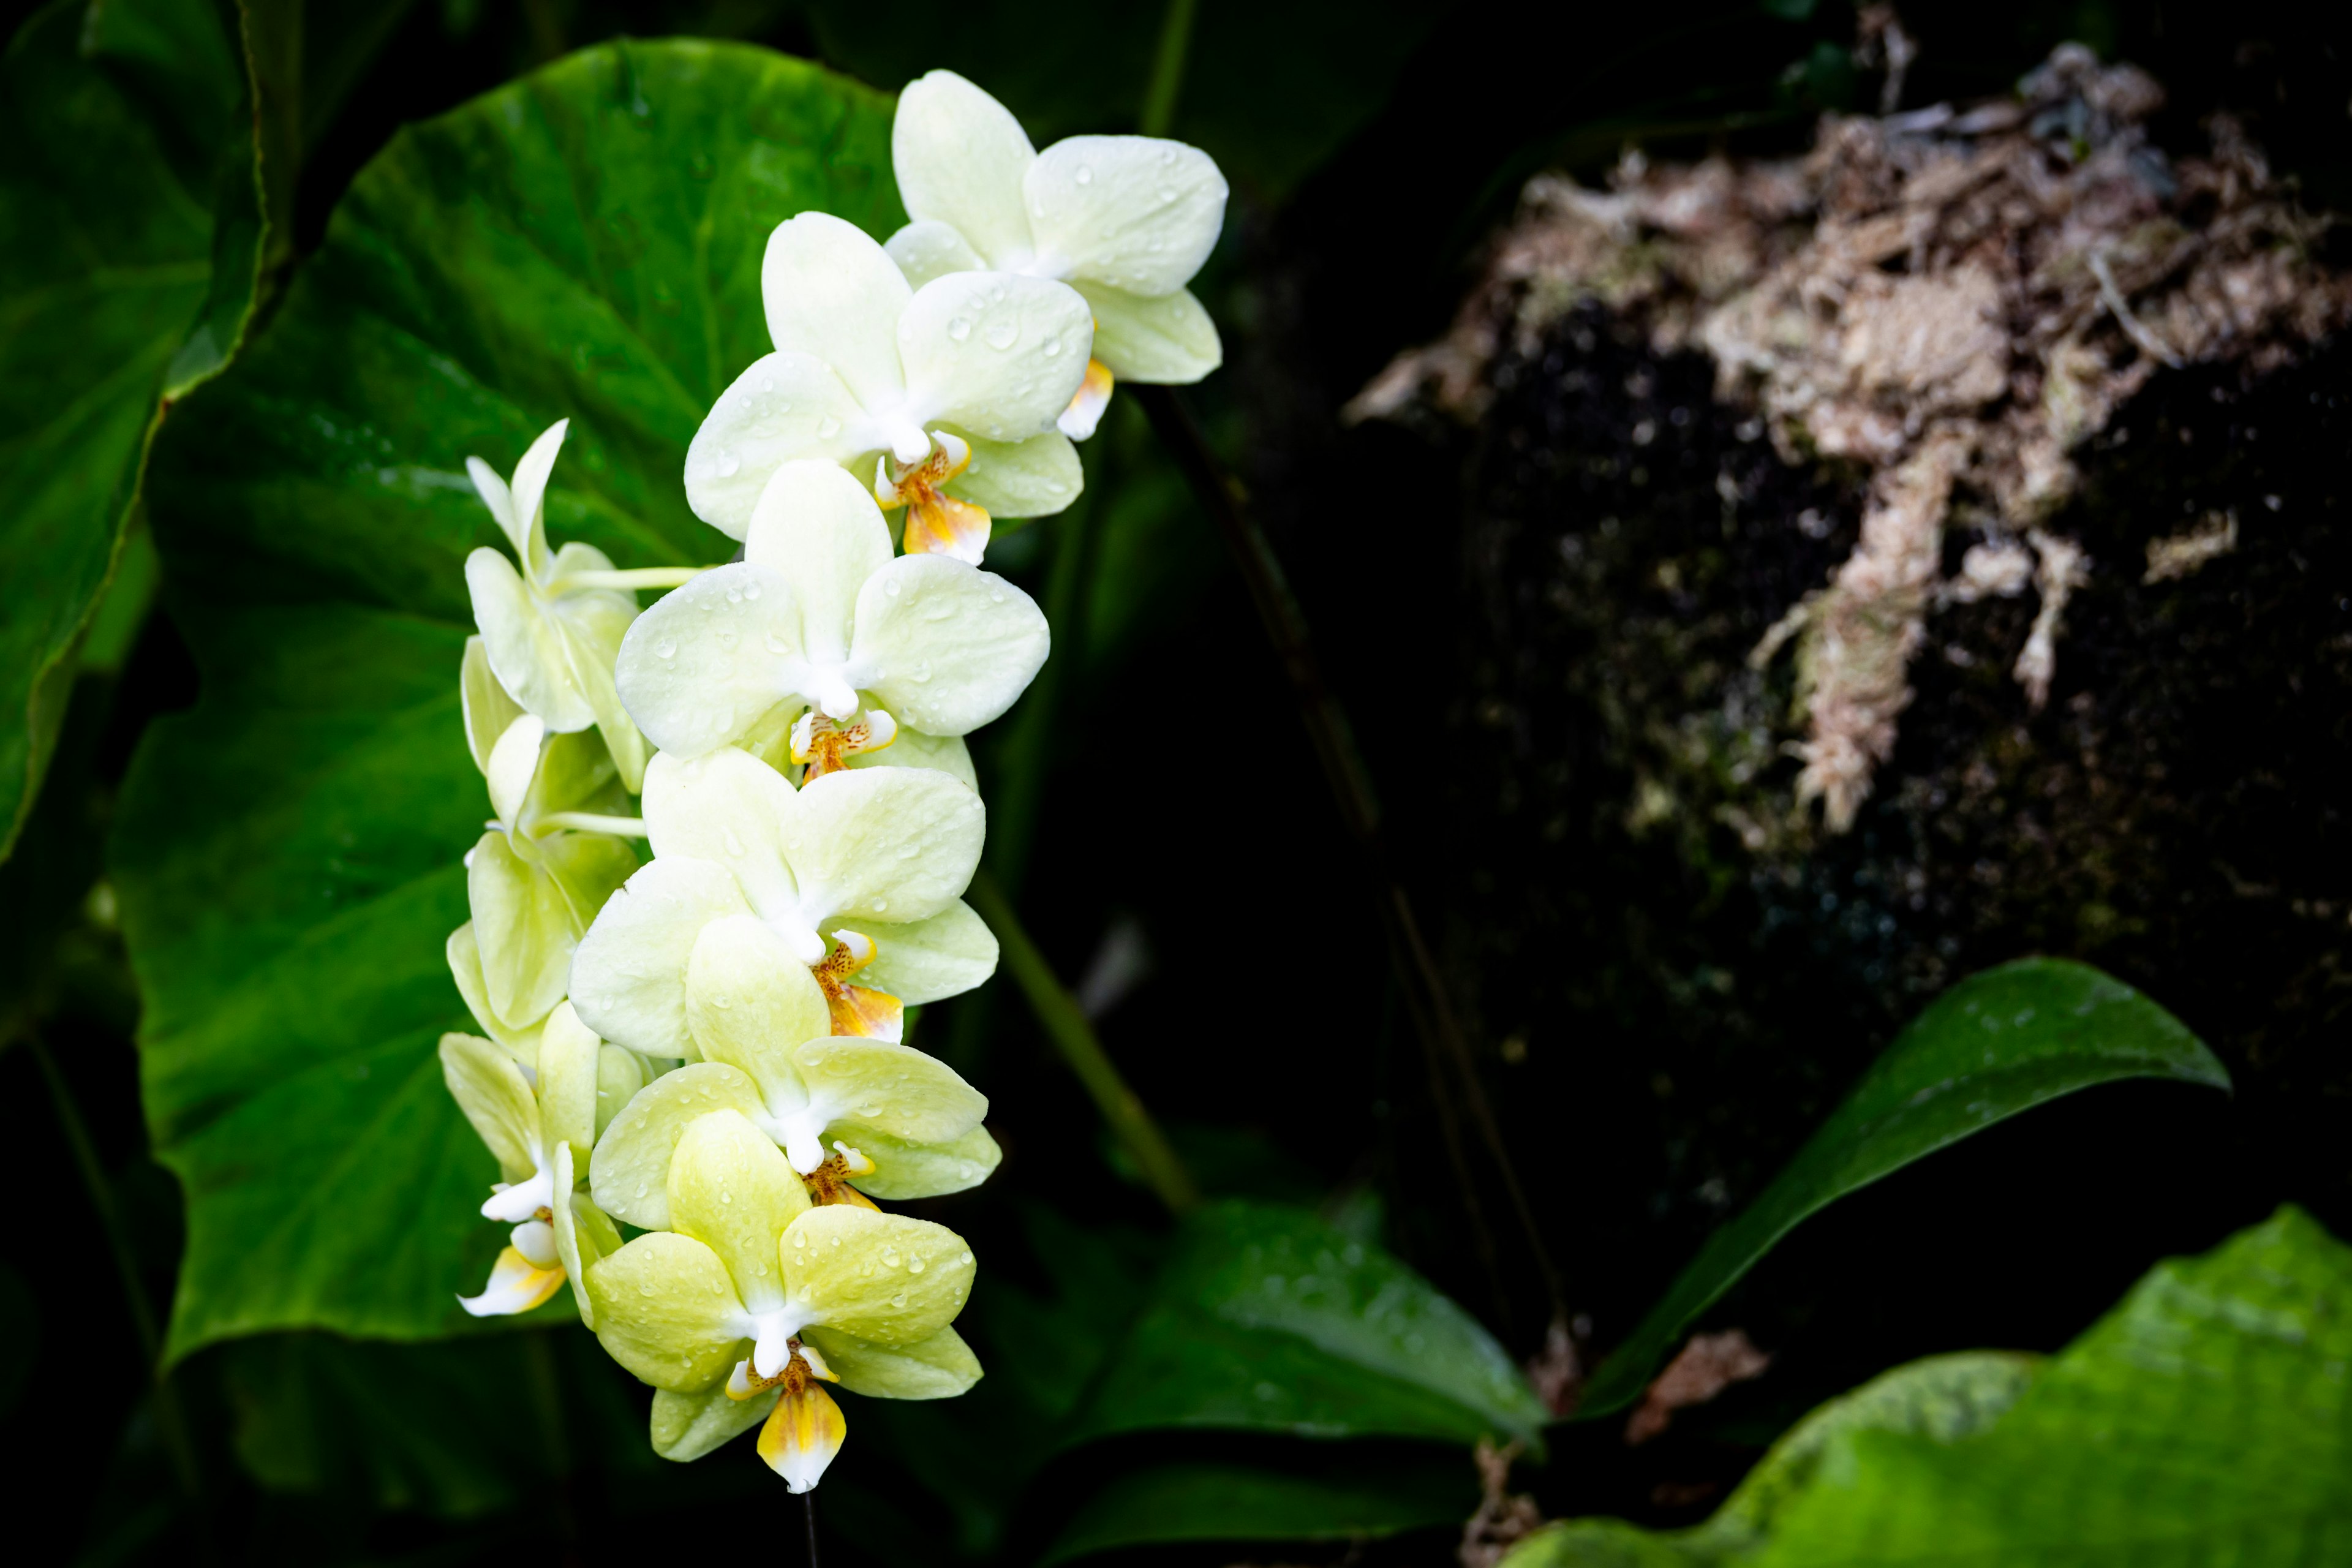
{"x": 550, "y": 627}
{"x": 821, "y": 619}
{"x": 943, "y": 398}
{"x": 547, "y": 862}
{"x": 858, "y": 873}
{"x": 755, "y": 1297}
{"x": 853, "y": 1116}
{"x": 540, "y": 1123}
{"x": 1125, "y": 220}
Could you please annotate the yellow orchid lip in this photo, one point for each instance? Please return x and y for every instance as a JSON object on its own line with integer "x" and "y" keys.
{"x": 1080, "y": 420}
{"x": 856, "y": 1009}
{"x": 937, "y": 522}
{"x": 802, "y": 1435}
{"x": 519, "y": 1281}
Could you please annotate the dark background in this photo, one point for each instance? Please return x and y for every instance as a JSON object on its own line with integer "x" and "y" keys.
{"x": 1662, "y": 1029}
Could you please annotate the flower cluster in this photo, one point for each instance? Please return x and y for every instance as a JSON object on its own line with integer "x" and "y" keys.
{"x": 707, "y": 1047}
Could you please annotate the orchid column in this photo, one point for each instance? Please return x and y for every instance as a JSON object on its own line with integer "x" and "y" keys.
{"x": 708, "y": 1045}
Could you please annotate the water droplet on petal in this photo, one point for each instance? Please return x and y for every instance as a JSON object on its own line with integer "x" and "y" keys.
{"x": 827, "y": 428}
{"x": 750, "y": 590}
{"x": 1004, "y": 332}
{"x": 891, "y": 588}
{"x": 1086, "y": 176}
{"x": 1052, "y": 347}
{"x": 728, "y": 463}
{"x": 665, "y": 648}
{"x": 1166, "y": 195}
{"x": 959, "y": 328}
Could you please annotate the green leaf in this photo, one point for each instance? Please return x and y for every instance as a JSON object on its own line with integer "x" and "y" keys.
{"x": 119, "y": 136}
{"x": 1266, "y": 1318}
{"x": 2206, "y": 1419}
{"x": 1997, "y": 1042}
{"x": 1359, "y": 1491}
{"x": 584, "y": 242}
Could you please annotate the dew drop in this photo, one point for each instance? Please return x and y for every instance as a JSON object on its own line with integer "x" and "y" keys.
{"x": 734, "y": 596}
{"x": 880, "y": 905}
{"x": 1004, "y": 332}
{"x": 899, "y": 1300}
{"x": 891, "y": 588}
{"x": 750, "y": 590}
{"x": 665, "y": 648}
{"x": 734, "y": 845}
{"x": 1086, "y": 176}
{"x": 827, "y": 428}
{"x": 914, "y": 1266}
{"x": 1052, "y": 347}
{"x": 1166, "y": 195}
{"x": 767, "y": 383}
{"x": 959, "y": 328}
{"x": 777, "y": 644}
{"x": 996, "y": 596}
{"x": 728, "y": 463}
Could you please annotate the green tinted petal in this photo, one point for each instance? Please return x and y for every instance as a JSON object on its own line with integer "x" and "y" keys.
{"x": 924, "y": 961}
{"x": 1169, "y": 340}
{"x": 582, "y": 1234}
{"x": 928, "y": 250}
{"x": 567, "y": 1083}
{"x": 667, "y": 1311}
{"x": 620, "y": 1073}
{"x": 525, "y": 647}
{"x": 630, "y": 1175}
{"x": 941, "y": 753}
{"x": 903, "y": 1171}
{"x": 523, "y": 928}
{"x": 782, "y": 408}
{"x": 575, "y": 773}
{"x": 466, "y": 968}
{"x": 732, "y": 1188}
{"x": 688, "y": 1425}
{"x": 484, "y": 703}
{"x": 880, "y": 1277}
{"x": 945, "y": 647}
{"x": 709, "y": 659}
{"x": 884, "y": 844}
{"x": 496, "y": 1098}
{"x": 749, "y": 1003}
{"x": 1035, "y": 478}
{"x": 892, "y": 1088}
{"x": 628, "y": 980}
{"x": 587, "y": 869}
{"x": 939, "y": 1367}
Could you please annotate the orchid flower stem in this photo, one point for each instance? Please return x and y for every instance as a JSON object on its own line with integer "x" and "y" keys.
{"x": 1012, "y": 815}
{"x": 808, "y": 1512}
{"x": 639, "y": 578}
{"x": 1167, "y": 67}
{"x": 1058, "y": 1012}
{"x": 1352, "y": 791}
{"x": 169, "y": 1420}
{"x": 595, "y": 822}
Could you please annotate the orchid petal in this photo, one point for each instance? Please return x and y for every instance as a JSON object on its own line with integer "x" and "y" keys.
{"x": 939, "y": 1367}
{"x": 1135, "y": 212}
{"x": 666, "y": 1310}
{"x": 526, "y": 649}
{"x": 500, "y": 501}
{"x": 831, "y": 292}
{"x": 731, "y": 1189}
{"x": 712, "y": 658}
{"x": 883, "y": 844}
{"x": 465, "y": 955}
{"x": 628, "y": 977}
{"x": 928, "y": 250}
{"x": 524, "y": 928}
{"x": 885, "y": 1277}
{"x": 686, "y": 1426}
{"x": 802, "y": 1435}
{"x": 582, "y": 1234}
{"x": 487, "y": 707}
{"x": 585, "y": 869}
{"x": 913, "y": 748}
{"x": 995, "y": 352}
{"x": 567, "y": 1085}
{"x": 749, "y": 1001}
{"x": 944, "y": 647}
{"x": 620, "y": 1074}
{"x": 514, "y": 762}
{"x": 904, "y": 1171}
{"x": 630, "y": 1175}
{"x": 786, "y": 406}
{"x": 1035, "y": 478}
{"x": 892, "y": 1088}
{"x": 928, "y": 960}
{"x": 529, "y": 492}
{"x": 819, "y": 529}
{"x": 959, "y": 156}
{"x": 1168, "y": 341}
{"x": 515, "y": 1284}
{"x": 729, "y": 808}
{"x": 490, "y": 1089}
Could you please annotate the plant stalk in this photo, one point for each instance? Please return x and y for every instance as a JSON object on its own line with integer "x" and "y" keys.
{"x": 1058, "y": 1014}
{"x": 1168, "y": 68}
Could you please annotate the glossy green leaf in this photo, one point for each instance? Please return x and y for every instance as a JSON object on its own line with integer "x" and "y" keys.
{"x": 585, "y": 242}
{"x": 2207, "y": 1419}
{"x": 120, "y": 138}
{"x": 1266, "y": 1318}
{"x": 1355, "y": 1493}
{"x": 1997, "y": 1042}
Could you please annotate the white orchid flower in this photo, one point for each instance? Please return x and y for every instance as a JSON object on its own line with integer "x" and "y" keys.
{"x": 860, "y": 872}
{"x": 852, "y": 1116}
{"x": 549, "y": 858}
{"x": 541, "y": 1122}
{"x": 550, "y": 628}
{"x": 1125, "y": 220}
{"x": 943, "y": 398}
{"x": 821, "y": 618}
{"x": 755, "y": 1296}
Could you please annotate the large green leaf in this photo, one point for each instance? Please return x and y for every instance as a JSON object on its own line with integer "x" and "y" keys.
{"x": 122, "y": 135}
{"x": 2207, "y": 1419}
{"x": 1266, "y": 1318}
{"x": 1997, "y": 1042}
{"x": 1352, "y": 1494}
{"x": 585, "y": 242}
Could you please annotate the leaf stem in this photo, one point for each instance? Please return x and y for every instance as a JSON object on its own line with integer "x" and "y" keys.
{"x": 1167, "y": 67}
{"x": 169, "y": 1420}
{"x": 1435, "y": 1020}
{"x": 1058, "y": 1013}
{"x": 1012, "y": 815}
